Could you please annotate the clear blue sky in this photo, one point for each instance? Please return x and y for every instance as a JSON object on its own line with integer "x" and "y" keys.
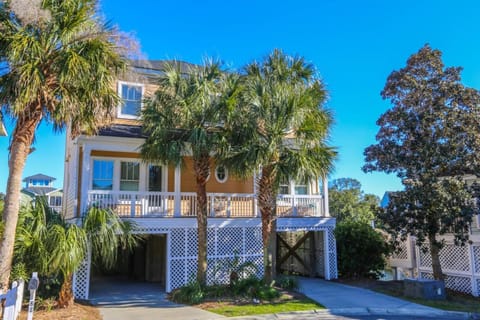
{"x": 354, "y": 45}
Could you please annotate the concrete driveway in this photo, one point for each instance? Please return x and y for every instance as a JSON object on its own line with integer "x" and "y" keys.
{"x": 122, "y": 300}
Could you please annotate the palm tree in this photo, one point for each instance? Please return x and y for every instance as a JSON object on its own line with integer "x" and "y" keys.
{"x": 282, "y": 128}
{"x": 46, "y": 243}
{"x": 60, "y": 69}
{"x": 186, "y": 116}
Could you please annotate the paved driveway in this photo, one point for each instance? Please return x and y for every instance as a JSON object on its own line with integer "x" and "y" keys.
{"x": 122, "y": 300}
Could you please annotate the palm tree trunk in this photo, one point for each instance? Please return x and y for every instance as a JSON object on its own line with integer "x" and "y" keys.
{"x": 435, "y": 254}
{"x": 202, "y": 168}
{"x": 267, "y": 202}
{"x": 65, "y": 297}
{"x": 19, "y": 149}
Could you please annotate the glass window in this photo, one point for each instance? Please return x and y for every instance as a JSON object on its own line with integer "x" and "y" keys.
{"x": 131, "y": 99}
{"x": 129, "y": 176}
{"x": 221, "y": 174}
{"x": 102, "y": 175}
{"x": 301, "y": 187}
{"x": 154, "y": 178}
{"x": 284, "y": 187}
{"x": 55, "y": 201}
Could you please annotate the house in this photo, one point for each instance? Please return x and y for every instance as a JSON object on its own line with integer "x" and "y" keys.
{"x": 106, "y": 171}
{"x": 40, "y": 185}
{"x": 3, "y": 131}
{"x": 460, "y": 264}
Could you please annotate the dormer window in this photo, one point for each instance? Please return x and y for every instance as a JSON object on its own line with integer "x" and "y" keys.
{"x": 131, "y": 104}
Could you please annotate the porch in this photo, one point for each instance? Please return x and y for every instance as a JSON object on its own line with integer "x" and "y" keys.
{"x": 184, "y": 204}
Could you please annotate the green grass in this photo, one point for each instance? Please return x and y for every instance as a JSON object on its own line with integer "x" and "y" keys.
{"x": 455, "y": 301}
{"x": 267, "y": 308}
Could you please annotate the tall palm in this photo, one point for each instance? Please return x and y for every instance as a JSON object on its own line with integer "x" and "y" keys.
{"x": 47, "y": 244}
{"x": 60, "y": 69}
{"x": 185, "y": 116}
{"x": 281, "y": 127}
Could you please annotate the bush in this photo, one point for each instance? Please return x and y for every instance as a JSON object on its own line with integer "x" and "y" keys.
{"x": 287, "y": 283}
{"x": 192, "y": 293}
{"x": 361, "y": 250}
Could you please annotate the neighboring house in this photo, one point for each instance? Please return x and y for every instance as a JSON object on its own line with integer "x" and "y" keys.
{"x": 106, "y": 171}
{"x": 41, "y": 185}
{"x": 460, "y": 264}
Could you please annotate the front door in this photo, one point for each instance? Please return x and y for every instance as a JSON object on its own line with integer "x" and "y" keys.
{"x": 156, "y": 201}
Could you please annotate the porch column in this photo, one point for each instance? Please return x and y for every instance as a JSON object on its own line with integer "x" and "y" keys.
{"x": 177, "y": 212}
{"x": 294, "y": 200}
{"x": 85, "y": 176}
{"x": 325, "y": 197}
{"x": 255, "y": 200}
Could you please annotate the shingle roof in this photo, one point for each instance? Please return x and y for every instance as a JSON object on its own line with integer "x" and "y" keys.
{"x": 39, "y": 176}
{"x": 122, "y": 130}
{"x": 39, "y": 191}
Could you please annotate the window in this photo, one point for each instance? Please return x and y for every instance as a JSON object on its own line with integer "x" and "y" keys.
{"x": 284, "y": 187}
{"x": 221, "y": 174}
{"x": 129, "y": 176}
{"x": 55, "y": 201}
{"x": 131, "y": 100}
{"x": 102, "y": 175}
{"x": 301, "y": 187}
{"x": 154, "y": 178}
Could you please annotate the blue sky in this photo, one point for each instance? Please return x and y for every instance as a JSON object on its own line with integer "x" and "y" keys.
{"x": 355, "y": 45}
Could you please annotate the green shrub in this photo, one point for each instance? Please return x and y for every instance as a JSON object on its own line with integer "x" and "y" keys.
{"x": 192, "y": 293}
{"x": 287, "y": 283}
{"x": 361, "y": 250}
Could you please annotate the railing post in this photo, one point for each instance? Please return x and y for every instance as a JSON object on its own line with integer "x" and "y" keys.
{"x": 132, "y": 205}
{"x": 255, "y": 206}
{"x": 212, "y": 205}
{"x": 177, "y": 210}
{"x": 294, "y": 205}
{"x": 325, "y": 197}
{"x": 229, "y": 205}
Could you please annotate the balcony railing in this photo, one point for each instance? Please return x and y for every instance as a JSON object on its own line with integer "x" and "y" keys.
{"x": 170, "y": 204}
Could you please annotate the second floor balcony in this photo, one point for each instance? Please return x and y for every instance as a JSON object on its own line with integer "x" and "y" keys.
{"x": 184, "y": 204}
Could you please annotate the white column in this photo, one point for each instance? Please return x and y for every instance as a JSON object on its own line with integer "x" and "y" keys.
{"x": 325, "y": 197}
{"x": 255, "y": 199}
{"x": 326, "y": 254}
{"x": 86, "y": 176}
{"x": 178, "y": 200}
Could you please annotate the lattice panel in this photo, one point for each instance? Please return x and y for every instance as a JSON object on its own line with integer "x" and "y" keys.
{"x": 191, "y": 269}
{"x": 192, "y": 242}
{"x": 258, "y": 262}
{"x": 177, "y": 273}
{"x": 229, "y": 240}
{"x": 81, "y": 280}
{"x": 211, "y": 243}
{"x": 462, "y": 284}
{"x": 177, "y": 243}
{"x": 253, "y": 240}
{"x": 477, "y": 294}
{"x": 454, "y": 257}
{"x": 211, "y": 271}
{"x": 476, "y": 259}
{"x": 332, "y": 247}
{"x": 424, "y": 257}
{"x": 457, "y": 283}
{"x": 401, "y": 253}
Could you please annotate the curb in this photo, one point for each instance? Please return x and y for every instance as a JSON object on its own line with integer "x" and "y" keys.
{"x": 365, "y": 312}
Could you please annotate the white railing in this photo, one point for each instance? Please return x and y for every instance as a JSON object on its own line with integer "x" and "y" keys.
{"x": 170, "y": 204}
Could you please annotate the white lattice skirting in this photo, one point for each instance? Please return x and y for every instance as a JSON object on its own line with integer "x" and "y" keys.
{"x": 460, "y": 264}
{"x": 227, "y": 239}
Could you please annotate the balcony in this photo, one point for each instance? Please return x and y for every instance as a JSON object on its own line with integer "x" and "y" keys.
{"x": 224, "y": 205}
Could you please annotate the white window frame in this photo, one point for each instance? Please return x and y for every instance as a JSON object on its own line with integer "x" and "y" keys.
{"x": 226, "y": 175}
{"x": 129, "y": 180}
{"x": 119, "y": 91}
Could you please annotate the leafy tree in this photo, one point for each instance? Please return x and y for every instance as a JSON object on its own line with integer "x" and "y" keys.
{"x": 61, "y": 68}
{"x": 430, "y": 138}
{"x": 185, "y": 117}
{"x": 281, "y": 127}
{"x": 348, "y": 202}
{"x": 361, "y": 250}
{"x": 47, "y": 244}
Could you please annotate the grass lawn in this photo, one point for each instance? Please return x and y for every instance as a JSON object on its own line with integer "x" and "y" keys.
{"x": 230, "y": 309}
{"x": 455, "y": 301}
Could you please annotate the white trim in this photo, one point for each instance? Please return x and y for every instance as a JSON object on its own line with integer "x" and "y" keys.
{"x": 120, "y": 115}
{"x": 167, "y": 262}
{"x": 177, "y": 190}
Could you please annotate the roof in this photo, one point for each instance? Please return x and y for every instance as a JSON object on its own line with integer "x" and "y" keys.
{"x": 122, "y": 130}
{"x": 39, "y": 176}
{"x": 39, "y": 191}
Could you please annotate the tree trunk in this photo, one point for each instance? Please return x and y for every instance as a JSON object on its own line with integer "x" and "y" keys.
{"x": 202, "y": 168}
{"x": 19, "y": 149}
{"x": 435, "y": 254}
{"x": 267, "y": 203}
{"x": 65, "y": 297}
